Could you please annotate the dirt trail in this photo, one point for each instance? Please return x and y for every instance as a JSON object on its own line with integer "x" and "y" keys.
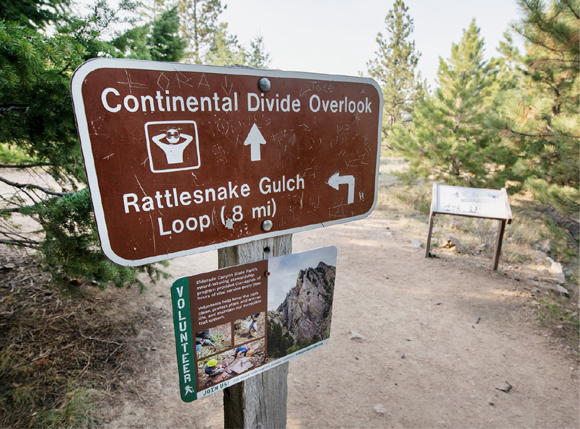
{"x": 440, "y": 338}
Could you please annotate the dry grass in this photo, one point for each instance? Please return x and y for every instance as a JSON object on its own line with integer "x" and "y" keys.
{"x": 60, "y": 351}
{"x": 532, "y": 226}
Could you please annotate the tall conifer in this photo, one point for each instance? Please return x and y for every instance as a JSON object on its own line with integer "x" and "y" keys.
{"x": 448, "y": 140}
{"x": 540, "y": 119}
{"x": 395, "y": 68}
{"x": 36, "y": 118}
{"x": 199, "y": 25}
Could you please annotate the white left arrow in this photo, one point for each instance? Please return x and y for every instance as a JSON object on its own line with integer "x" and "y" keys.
{"x": 336, "y": 180}
{"x": 255, "y": 139}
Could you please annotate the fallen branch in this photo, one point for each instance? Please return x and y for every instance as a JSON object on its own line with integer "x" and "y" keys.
{"x": 38, "y": 164}
{"x": 509, "y": 388}
{"x": 98, "y": 339}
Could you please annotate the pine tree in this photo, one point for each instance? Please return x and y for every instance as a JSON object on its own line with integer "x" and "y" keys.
{"x": 539, "y": 120}
{"x": 152, "y": 10}
{"x": 395, "y": 68}
{"x": 33, "y": 13}
{"x": 199, "y": 24}
{"x": 448, "y": 140}
{"x": 225, "y": 49}
{"x": 258, "y": 57}
{"x": 164, "y": 43}
{"x": 36, "y": 117}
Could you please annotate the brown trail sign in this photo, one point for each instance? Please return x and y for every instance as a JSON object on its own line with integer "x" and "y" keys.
{"x": 185, "y": 158}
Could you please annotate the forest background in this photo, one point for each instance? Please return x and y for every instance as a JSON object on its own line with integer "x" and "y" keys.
{"x": 510, "y": 121}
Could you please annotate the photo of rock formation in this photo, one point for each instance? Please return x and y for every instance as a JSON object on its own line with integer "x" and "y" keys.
{"x": 303, "y": 317}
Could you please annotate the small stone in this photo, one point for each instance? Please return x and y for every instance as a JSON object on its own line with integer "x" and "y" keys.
{"x": 402, "y": 356}
{"x": 438, "y": 303}
{"x": 560, "y": 278}
{"x": 9, "y": 266}
{"x": 356, "y": 336}
{"x": 481, "y": 248}
{"x": 356, "y": 357}
{"x": 555, "y": 267}
{"x": 490, "y": 402}
{"x": 544, "y": 246}
{"x": 416, "y": 244}
{"x": 450, "y": 242}
{"x": 380, "y": 409}
{"x": 539, "y": 257}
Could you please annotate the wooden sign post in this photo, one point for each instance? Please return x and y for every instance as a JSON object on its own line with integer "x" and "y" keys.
{"x": 259, "y": 401}
{"x": 471, "y": 202}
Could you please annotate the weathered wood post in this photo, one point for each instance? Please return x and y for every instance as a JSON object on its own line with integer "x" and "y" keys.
{"x": 260, "y": 401}
{"x": 498, "y": 243}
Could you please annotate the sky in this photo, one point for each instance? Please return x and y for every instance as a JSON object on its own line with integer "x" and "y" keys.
{"x": 339, "y": 37}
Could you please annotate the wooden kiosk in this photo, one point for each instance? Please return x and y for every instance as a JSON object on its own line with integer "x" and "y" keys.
{"x": 471, "y": 202}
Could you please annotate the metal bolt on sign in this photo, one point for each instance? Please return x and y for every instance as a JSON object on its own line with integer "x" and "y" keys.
{"x": 265, "y": 84}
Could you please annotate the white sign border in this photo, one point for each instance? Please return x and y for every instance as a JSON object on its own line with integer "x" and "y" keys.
{"x": 80, "y": 114}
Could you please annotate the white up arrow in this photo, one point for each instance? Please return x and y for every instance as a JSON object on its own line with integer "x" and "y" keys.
{"x": 336, "y": 180}
{"x": 255, "y": 139}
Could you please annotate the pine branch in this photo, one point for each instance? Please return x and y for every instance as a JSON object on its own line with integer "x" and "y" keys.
{"x": 11, "y": 210}
{"x": 572, "y": 9}
{"x": 535, "y": 135}
{"x": 23, "y": 243}
{"x": 32, "y": 187}
{"x": 39, "y": 164}
{"x": 538, "y": 23}
{"x": 7, "y": 108}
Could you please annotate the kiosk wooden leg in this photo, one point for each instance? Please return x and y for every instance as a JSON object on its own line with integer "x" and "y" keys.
{"x": 260, "y": 401}
{"x": 498, "y": 244}
{"x": 428, "y": 245}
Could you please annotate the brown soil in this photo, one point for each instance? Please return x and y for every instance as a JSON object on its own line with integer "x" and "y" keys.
{"x": 441, "y": 338}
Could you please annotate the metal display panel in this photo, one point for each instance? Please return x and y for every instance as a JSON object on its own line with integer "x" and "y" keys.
{"x": 471, "y": 202}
